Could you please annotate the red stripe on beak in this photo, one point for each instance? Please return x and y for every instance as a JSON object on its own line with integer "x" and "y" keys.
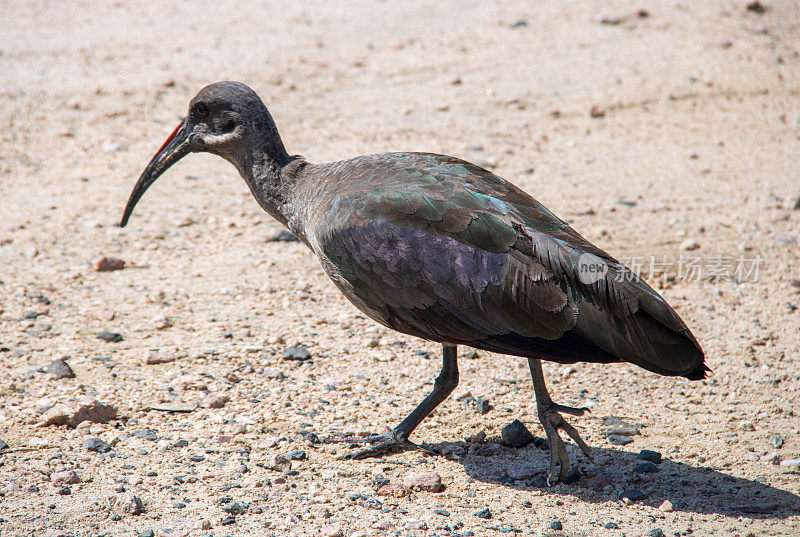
{"x": 171, "y": 136}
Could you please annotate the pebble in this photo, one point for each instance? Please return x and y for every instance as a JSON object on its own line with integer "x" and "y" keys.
{"x": 65, "y": 491}
{"x": 3, "y": 445}
{"x": 128, "y": 503}
{"x": 516, "y": 435}
{"x": 633, "y": 495}
{"x": 174, "y": 407}
{"x": 645, "y": 468}
{"x": 611, "y": 526}
{"x": 666, "y": 507}
{"x": 656, "y": 532}
{"x": 59, "y": 369}
{"x": 145, "y": 434}
{"x": 776, "y": 441}
{"x": 279, "y": 463}
{"x": 484, "y": 513}
{"x": 395, "y": 490}
{"x": 97, "y": 445}
{"x": 283, "y": 236}
{"x": 299, "y": 354}
{"x": 424, "y": 481}
{"x": 93, "y": 411}
{"x": 155, "y": 357}
{"x": 649, "y": 456}
{"x": 297, "y": 455}
{"x": 791, "y": 462}
{"x": 690, "y": 245}
{"x": 482, "y": 406}
{"x": 216, "y": 400}
{"x": 67, "y": 477}
{"x": 58, "y": 415}
{"x": 619, "y": 440}
{"x": 108, "y": 264}
{"x": 111, "y": 337}
{"x": 556, "y": 525}
{"x": 518, "y": 470}
{"x": 147, "y": 533}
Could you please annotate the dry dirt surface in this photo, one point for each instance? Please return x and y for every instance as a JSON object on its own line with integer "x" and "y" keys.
{"x": 666, "y": 132}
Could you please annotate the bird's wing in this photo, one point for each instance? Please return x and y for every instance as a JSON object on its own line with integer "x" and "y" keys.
{"x": 449, "y": 251}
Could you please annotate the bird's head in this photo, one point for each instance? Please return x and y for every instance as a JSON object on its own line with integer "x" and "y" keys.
{"x": 225, "y": 118}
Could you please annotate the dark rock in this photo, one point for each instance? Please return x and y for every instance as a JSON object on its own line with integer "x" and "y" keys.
{"x": 297, "y": 455}
{"x": 645, "y": 468}
{"x": 147, "y": 533}
{"x": 180, "y": 443}
{"x": 299, "y": 354}
{"x": 633, "y": 495}
{"x": 59, "y": 369}
{"x": 649, "y": 456}
{"x": 3, "y": 445}
{"x": 64, "y": 491}
{"x": 283, "y": 236}
{"x": 441, "y": 512}
{"x": 482, "y": 405}
{"x": 757, "y": 7}
{"x": 228, "y": 521}
{"x": 108, "y": 264}
{"x": 94, "y": 411}
{"x": 573, "y": 476}
{"x": 619, "y": 440}
{"x": 31, "y": 314}
{"x": 556, "y": 525}
{"x": 111, "y": 337}
{"x": 516, "y": 435}
{"x": 484, "y": 513}
{"x": 97, "y": 445}
{"x": 611, "y": 526}
{"x": 145, "y": 434}
{"x": 656, "y": 532}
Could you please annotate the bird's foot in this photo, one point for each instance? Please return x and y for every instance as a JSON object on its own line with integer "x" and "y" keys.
{"x": 380, "y": 444}
{"x": 552, "y": 420}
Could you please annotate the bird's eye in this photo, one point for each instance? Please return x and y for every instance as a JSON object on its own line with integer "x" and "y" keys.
{"x": 201, "y": 109}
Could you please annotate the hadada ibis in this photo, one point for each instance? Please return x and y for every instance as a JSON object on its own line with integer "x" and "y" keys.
{"x": 438, "y": 248}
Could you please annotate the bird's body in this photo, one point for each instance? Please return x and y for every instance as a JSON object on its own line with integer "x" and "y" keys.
{"x": 436, "y": 247}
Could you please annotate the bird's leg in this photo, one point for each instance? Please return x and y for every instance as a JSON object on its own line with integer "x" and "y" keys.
{"x": 552, "y": 421}
{"x": 443, "y": 386}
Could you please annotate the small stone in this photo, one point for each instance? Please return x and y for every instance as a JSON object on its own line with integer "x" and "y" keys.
{"x": 65, "y": 491}
{"x": 442, "y": 512}
{"x": 297, "y": 455}
{"x": 93, "y": 411}
{"x": 484, "y": 513}
{"x": 58, "y": 415}
{"x": 518, "y": 471}
{"x": 482, "y": 405}
{"x": 59, "y": 369}
{"x": 516, "y": 435}
{"x": 747, "y": 426}
{"x": 597, "y": 112}
{"x": 67, "y": 477}
{"x": 162, "y": 322}
{"x": 174, "y": 407}
{"x": 96, "y": 445}
{"x": 216, "y": 400}
{"x": 279, "y": 463}
{"x": 3, "y": 445}
{"x": 283, "y": 236}
{"x": 757, "y": 7}
{"x": 111, "y": 337}
{"x": 690, "y": 245}
{"x": 656, "y": 532}
{"x": 383, "y": 525}
{"x": 645, "y": 468}
{"x": 611, "y": 526}
{"x": 609, "y": 20}
{"x": 155, "y": 357}
{"x": 424, "y": 481}
{"x": 108, "y": 264}
{"x": 147, "y": 533}
{"x": 299, "y": 354}
{"x": 145, "y": 434}
{"x": 234, "y": 508}
{"x": 556, "y": 525}
{"x": 619, "y": 440}
{"x": 666, "y": 507}
{"x": 273, "y": 373}
{"x": 633, "y": 495}
{"x": 776, "y": 441}
{"x": 128, "y": 503}
{"x": 790, "y": 462}
{"x": 649, "y": 456}
{"x": 395, "y": 490}
{"x": 333, "y": 530}
{"x": 228, "y": 521}
{"x": 476, "y": 438}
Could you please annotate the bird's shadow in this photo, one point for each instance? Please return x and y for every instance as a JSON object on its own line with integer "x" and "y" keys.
{"x": 697, "y": 489}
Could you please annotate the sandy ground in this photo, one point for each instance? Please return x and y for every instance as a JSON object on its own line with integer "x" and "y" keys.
{"x": 691, "y": 153}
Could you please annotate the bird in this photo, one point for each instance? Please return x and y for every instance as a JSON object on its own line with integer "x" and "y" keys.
{"x": 441, "y": 249}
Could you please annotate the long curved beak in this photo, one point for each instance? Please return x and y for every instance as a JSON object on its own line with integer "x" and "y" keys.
{"x": 175, "y": 148}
